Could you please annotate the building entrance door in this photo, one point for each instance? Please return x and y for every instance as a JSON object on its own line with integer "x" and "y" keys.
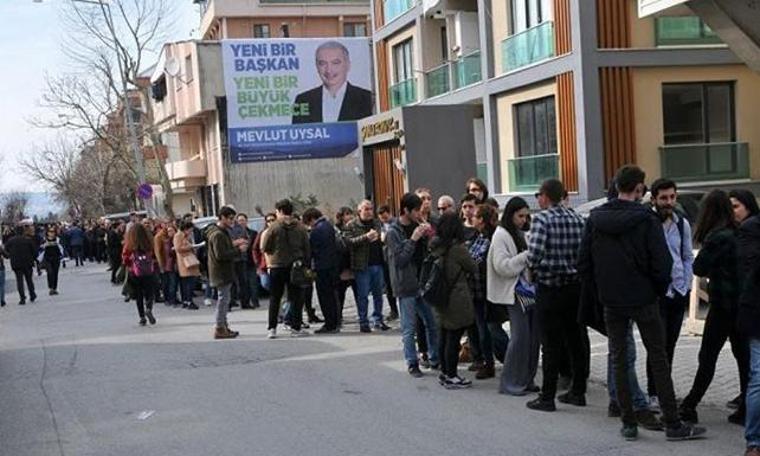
{"x": 387, "y": 181}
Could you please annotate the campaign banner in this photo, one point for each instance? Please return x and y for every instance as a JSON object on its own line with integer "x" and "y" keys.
{"x": 295, "y": 98}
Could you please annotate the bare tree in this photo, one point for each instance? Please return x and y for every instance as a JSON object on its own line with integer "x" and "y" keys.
{"x": 14, "y": 207}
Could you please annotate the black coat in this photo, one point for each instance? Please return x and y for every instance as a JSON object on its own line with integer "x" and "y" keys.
{"x": 22, "y": 250}
{"x": 748, "y": 249}
{"x": 324, "y": 249}
{"x": 357, "y": 104}
{"x": 625, "y": 253}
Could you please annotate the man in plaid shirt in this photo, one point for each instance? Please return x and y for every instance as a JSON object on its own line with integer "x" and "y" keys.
{"x": 555, "y": 236}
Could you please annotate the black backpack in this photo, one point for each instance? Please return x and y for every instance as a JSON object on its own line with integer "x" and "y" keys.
{"x": 434, "y": 288}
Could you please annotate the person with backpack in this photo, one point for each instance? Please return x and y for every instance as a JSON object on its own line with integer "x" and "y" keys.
{"x": 673, "y": 305}
{"x": 139, "y": 260}
{"x": 718, "y": 262}
{"x": 406, "y": 242}
{"x": 447, "y": 290}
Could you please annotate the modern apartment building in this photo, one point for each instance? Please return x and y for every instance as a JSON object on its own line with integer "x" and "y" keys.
{"x": 189, "y": 107}
{"x": 573, "y": 89}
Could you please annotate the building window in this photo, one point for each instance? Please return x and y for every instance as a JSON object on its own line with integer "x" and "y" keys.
{"x": 403, "y": 61}
{"x": 536, "y": 127}
{"x": 698, "y": 113}
{"x": 444, "y": 44}
{"x": 354, "y": 29}
{"x": 188, "y": 69}
{"x": 525, "y": 14}
{"x": 261, "y": 31}
{"x": 285, "y": 29}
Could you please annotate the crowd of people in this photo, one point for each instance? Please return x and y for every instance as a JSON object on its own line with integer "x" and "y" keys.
{"x": 462, "y": 269}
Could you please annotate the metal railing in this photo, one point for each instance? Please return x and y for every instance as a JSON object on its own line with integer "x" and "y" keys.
{"x": 705, "y": 162}
{"x": 403, "y": 93}
{"x": 527, "y": 173}
{"x": 527, "y": 47}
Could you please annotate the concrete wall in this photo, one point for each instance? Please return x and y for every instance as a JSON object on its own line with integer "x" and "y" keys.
{"x": 299, "y": 26}
{"x": 440, "y": 161}
{"x": 431, "y": 36}
{"x": 647, "y": 86}
{"x": 506, "y": 125}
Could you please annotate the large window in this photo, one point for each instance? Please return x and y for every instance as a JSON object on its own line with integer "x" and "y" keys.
{"x": 354, "y": 29}
{"x": 403, "y": 61}
{"x": 536, "y": 123}
{"x": 698, "y": 113}
{"x": 261, "y": 31}
{"x": 525, "y": 14}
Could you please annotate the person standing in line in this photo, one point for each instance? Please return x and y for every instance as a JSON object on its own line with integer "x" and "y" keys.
{"x": 717, "y": 261}
{"x": 76, "y": 239}
{"x": 744, "y": 205}
{"x": 426, "y": 216}
{"x": 344, "y": 216}
{"x": 22, "y": 251}
{"x": 222, "y": 253}
{"x": 406, "y": 245}
{"x": 477, "y": 188}
{"x": 115, "y": 242}
{"x": 324, "y": 254}
{"x": 458, "y": 313}
{"x": 51, "y": 256}
{"x": 386, "y": 218}
{"x": 139, "y": 259}
{"x": 163, "y": 249}
{"x": 286, "y": 244}
{"x": 673, "y": 305}
{"x": 625, "y": 253}
{"x": 188, "y": 265}
{"x": 555, "y": 237}
{"x": 2, "y": 273}
{"x": 251, "y": 268}
{"x": 507, "y": 267}
{"x": 363, "y": 238}
{"x": 241, "y": 288}
{"x": 258, "y": 255}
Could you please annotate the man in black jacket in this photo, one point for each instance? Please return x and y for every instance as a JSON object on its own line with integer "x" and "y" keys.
{"x": 336, "y": 100}
{"x": 324, "y": 254}
{"x": 22, "y": 251}
{"x": 625, "y": 252}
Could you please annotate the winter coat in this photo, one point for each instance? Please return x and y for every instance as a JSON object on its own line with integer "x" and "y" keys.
{"x": 22, "y": 251}
{"x": 52, "y": 251}
{"x": 505, "y": 265}
{"x": 717, "y": 260}
{"x": 624, "y": 251}
{"x": 748, "y": 247}
{"x": 458, "y": 265}
{"x": 184, "y": 249}
{"x": 76, "y": 237}
{"x": 221, "y": 256}
{"x": 324, "y": 249}
{"x": 355, "y": 236}
{"x": 402, "y": 267}
{"x": 285, "y": 242}
{"x": 257, "y": 254}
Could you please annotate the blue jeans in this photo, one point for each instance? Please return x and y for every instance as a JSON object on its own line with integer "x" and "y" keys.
{"x": 752, "y": 422}
{"x": 640, "y": 401}
{"x": 370, "y": 280}
{"x": 409, "y": 308}
{"x": 169, "y": 282}
{"x": 2, "y": 284}
{"x": 187, "y": 286}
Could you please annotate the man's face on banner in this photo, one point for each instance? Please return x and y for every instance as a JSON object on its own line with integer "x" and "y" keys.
{"x": 333, "y": 66}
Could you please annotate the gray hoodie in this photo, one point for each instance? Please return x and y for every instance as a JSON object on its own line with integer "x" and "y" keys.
{"x": 403, "y": 257}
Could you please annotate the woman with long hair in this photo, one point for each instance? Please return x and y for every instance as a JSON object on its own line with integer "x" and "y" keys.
{"x": 188, "y": 265}
{"x": 717, "y": 260}
{"x": 51, "y": 257}
{"x": 459, "y": 313}
{"x": 509, "y": 286}
{"x": 139, "y": 260}
{"x": 477, "y": 187}
{"x": 744, "y": 205}
{"x": 344, "y": 216}
{"x": 167, "y": 264}
{"x": 491, "y": 335}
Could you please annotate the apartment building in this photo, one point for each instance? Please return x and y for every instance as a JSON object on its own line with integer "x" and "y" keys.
{"x": 572, "y": 89}
{"x": 189, "y": 108}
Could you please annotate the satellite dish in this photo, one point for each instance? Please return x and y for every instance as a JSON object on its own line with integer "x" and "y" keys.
{"x": 171, "y": 67}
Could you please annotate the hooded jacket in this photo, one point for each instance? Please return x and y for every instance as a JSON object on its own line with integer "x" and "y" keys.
{"x": 285, "y": 242}
{"x": 748, "y": 247}
{"x": 625, "y": 253}
{"x": 221, "y": 256}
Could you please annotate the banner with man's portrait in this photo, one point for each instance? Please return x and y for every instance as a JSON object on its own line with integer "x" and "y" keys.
{"x": 293, "y": 98}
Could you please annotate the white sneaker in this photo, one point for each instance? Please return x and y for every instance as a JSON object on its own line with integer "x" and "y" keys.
{"x": 654, "y": 404}
{"x": 298, "y": 333}
{"x": 208, "y": 302}
{"x": 456, "y": 382}
{"x": 272, "y": 334}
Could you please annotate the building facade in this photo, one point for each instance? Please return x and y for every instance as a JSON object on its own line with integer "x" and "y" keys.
{"x": 574, "y": 89}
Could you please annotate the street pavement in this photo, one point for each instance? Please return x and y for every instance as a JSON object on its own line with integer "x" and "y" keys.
{"x": 79, "y": 377}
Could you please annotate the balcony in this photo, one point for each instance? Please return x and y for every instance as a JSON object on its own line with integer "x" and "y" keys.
{"x": 454, "y": 75}
{"x": 683, "y": 31}
{"x": 705, "y": 162}
{"x": 395, "y": 8}
{"x": 528, "y": 47}
{"x": 526, "y": 174}
{"x": 186, "y": 170}
{"x": 403, "y": 93}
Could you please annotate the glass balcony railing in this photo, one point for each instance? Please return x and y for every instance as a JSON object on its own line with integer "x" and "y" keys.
{"x": 526, "y": 174}
{"x": 437, "y": 80}
{"x": 403, "y": 93}
{"x": 395, "y": 8}
{"x": 683, "y": 31}
{"x": 528, "y": 47}
{"x": 467, "y": 70}
{"x": 705, "y": 162}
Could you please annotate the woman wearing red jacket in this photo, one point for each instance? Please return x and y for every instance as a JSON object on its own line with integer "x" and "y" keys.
{"x": 139, "y": 260}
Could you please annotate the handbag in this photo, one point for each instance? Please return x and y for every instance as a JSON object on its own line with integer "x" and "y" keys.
{"x": 190, "y": 261}
{"x": 525, "y": 294}
{"x": 300, "y": 275}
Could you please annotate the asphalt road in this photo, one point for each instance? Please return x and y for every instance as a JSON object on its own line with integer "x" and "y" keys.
{"x": 79, "y": 377}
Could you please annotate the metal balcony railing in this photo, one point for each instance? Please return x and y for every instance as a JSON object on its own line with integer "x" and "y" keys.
{"x": 403, "y": 93}
{"x": 454, "y": 75}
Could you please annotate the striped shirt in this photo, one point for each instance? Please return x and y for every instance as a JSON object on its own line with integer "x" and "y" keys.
{"x": 555, "y": 237}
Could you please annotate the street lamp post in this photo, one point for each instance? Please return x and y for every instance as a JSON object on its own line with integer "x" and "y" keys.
{"x": 127, "y": 104}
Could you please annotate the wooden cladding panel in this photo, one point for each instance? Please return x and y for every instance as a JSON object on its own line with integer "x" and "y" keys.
{"x": 563, "y": 40}
{"x": 613, "y": 24}
{"x": 617, "y": 119}
{"x": 379, "y": 13}
{"x": 568, "y": 141}
{"x": 382, "y": 75}
{"x": 388, "y": 181}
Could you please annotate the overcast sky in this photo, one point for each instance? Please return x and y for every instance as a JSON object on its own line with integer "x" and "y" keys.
{"x": 30, "y": 39}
